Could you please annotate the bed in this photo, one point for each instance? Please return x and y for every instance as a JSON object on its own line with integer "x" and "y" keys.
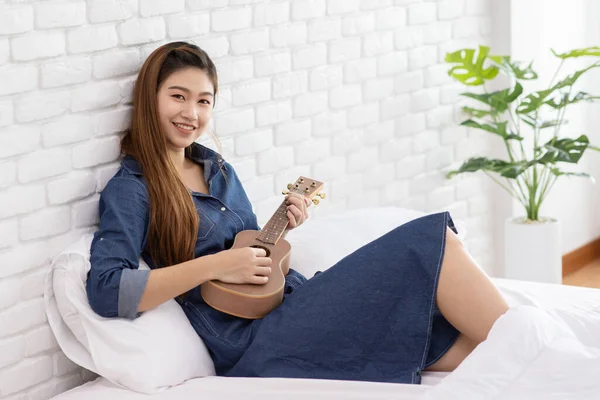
{"x": 510, "y": 380}
{"x": 547, "y": 346}
{"x": 252, "y": 388}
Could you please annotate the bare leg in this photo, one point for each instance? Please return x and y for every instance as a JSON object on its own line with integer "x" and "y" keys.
{"x": 467, "y": 299}
{"x": 466, "y": 296}
{"x": 454, "y": 356}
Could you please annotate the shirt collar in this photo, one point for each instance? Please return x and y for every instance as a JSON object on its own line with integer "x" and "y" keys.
{"x": 208, "y": 158}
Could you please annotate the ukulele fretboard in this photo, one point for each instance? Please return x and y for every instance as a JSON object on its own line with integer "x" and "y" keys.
{"x": 274, "y": 228}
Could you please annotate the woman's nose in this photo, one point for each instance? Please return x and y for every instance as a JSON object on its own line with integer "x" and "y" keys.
{"x": 190, "y": 111}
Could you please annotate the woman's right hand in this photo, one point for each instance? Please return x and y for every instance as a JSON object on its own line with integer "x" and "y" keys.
{"x": 242, "y": 265}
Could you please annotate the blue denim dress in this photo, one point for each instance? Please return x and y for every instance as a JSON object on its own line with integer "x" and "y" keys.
{"x": 370, "y": 317}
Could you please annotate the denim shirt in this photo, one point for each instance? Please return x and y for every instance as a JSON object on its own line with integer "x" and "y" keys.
{"x": 115, "y": 284}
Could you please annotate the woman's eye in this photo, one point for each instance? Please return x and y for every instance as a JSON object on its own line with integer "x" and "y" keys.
{"x": 178, "y": 96}
{"x": 207, "y": 102}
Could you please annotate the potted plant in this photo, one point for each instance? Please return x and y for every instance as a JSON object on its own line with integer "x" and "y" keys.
{"x": 529, "y": 124}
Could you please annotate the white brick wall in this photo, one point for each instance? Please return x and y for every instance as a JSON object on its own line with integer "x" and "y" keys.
{"x": 351, "y": 92}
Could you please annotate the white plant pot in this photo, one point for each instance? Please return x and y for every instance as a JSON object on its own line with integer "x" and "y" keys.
{"x": 533, "y": 251}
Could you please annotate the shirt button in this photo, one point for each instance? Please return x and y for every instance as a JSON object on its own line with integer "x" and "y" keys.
{"x": 223, "y": 208}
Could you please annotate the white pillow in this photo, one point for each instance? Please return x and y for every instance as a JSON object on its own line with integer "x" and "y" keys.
{"x": 148, "y": 355}
{"x": 321, "y": 242}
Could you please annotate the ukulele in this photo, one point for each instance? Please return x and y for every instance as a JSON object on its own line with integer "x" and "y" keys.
{"x": 254, "y": 301}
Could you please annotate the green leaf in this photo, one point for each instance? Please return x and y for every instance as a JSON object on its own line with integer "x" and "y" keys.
{"x": 535, "y": 100}
{"x": 564, "y": 150}
{"x": 588, "y": 51}
{"x": 470, "y": 70}
{"x": 565, "y": 100}
{"x": 498, "y": 128}
{"x": 504, "y": 168}
{"x": 570, "y": 80}
{"x": 498, "y": 100}
{"x": 558, "y": 172}
{"x": 539, "y": 123}
{"x": 477, "y": 113}
{"x": 554, "y": 122}
{"x": 529, "y": 120}
{"x": 514, "y": 68}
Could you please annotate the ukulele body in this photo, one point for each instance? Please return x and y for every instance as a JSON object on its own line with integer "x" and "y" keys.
{"x": 251, "y": 301}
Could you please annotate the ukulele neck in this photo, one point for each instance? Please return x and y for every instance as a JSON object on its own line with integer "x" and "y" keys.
{"x": 275, "y": 227}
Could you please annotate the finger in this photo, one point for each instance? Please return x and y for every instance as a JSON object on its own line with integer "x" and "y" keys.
{"x": 291, "y": 219}
{"x": 258, "y": 280}
{"x": 263, "y": 261}
{"x": 296, "y": 212}
{"x": 304, "y": 213}
{"x": 258, "y": 252}
{"x": 295, "y": 216}
{"x": 262, "y": 271}
{"x": 292, "y": 199}
{"x": 300, "y": 213}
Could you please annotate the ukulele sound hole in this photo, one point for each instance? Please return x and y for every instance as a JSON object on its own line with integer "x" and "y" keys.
{"x": 262, "y": 247}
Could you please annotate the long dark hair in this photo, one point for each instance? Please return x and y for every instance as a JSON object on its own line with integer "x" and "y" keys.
{"x": 174, "y": 221}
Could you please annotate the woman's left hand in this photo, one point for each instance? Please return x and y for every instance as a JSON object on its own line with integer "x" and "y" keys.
{"x": 297, "y": 211}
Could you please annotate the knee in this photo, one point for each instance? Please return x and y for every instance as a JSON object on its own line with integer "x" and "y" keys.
{"x": 452, "y": 238}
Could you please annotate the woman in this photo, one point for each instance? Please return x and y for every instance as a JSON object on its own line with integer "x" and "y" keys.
{"x": 410, "y": 300}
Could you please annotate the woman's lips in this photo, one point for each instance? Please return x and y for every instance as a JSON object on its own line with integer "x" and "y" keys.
{"x": 184, "y": 131}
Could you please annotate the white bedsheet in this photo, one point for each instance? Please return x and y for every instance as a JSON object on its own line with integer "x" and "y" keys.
{"x": 217, "y": 388}
{"x": 546, "y": 347}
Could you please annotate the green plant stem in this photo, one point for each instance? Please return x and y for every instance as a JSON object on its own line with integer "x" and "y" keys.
{"x": 523, "y": 155}
{"x": 545, "y": 189}
{"x": 561, "y": 114}
{"x": 541, "y": 186}
{"x": 509, "y": 151}
{"x": 546, "y": 173}
{"x": 562, "y": 61}
{"x": 552, "y": 179}
{"x": 517, "y": 130}
{"x": 531, "y": 211}
{"x": 508, "y": 188}
{"x": 521, "y": 190}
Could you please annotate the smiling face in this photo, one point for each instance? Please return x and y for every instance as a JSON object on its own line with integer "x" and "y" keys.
{"x": 185, "y": 106}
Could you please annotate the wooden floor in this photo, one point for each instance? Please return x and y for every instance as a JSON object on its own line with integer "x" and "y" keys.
{"x": 588, "y": 276}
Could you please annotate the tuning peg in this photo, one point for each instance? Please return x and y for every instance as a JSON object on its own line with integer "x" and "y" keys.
{"x": 285, "y": 192}
{"x": 315, "y": 201}
{"x": 289, "y": 185}
{"x": 321, "y": 195}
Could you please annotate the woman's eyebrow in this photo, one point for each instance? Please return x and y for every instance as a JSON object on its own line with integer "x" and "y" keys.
{"x": 188, "y": 91}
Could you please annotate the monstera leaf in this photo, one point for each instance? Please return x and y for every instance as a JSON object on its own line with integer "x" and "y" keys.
{"x": 564, "y": 150}
{"x": 498, "y": 128}
{"x": 535, "y": 100}
{"x": 477, "y": 113}
{"x": 588, "y": 51}
{"x": 499, "y": 100}
{"x": 504, "y": 168}
{"x": 514, "y": 68}
{"x": 540, "y": 123}
{"x": 470, "y": 70}
{"x": 570, "y": 80}
{"x": 565, "y": 100}
{"x": 557, "y": 172}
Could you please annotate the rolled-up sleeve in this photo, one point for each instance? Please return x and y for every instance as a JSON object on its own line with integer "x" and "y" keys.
{"x": 115, "y": 284}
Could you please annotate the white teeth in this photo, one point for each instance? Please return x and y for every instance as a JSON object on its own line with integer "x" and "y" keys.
{"x": 187, "y": 128}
